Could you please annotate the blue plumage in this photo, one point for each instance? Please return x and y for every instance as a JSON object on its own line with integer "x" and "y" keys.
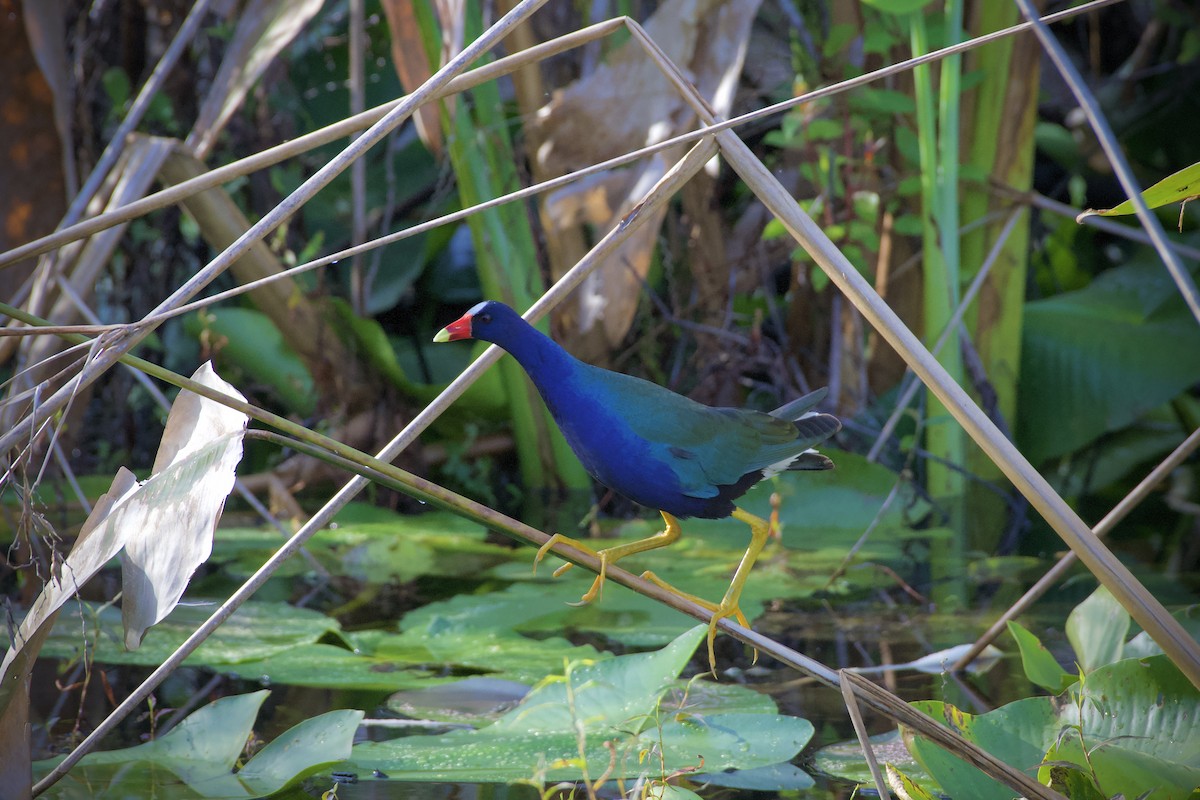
{"x": 654, "y": 446}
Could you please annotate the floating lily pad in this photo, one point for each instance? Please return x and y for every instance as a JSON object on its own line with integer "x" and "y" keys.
{"x": 573, "y": 727}
{"x": 256, "y": 630}
{"x": 372, "y": 548}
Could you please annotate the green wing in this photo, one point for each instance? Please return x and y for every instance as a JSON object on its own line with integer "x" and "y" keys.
{"x": 705, "y": 447}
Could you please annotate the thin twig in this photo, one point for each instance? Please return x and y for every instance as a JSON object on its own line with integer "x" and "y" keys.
{"x": 860, "y": 730}
{"x": 359, "y": 288}
{"x": 295, "y": 147}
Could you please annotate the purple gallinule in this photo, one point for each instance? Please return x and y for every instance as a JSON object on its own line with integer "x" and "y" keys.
{"x": 656, "y": 447}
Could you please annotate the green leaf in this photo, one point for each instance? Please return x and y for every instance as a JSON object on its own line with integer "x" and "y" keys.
{"x": 1017, "y": 734}
{"x": 564, "y": 729}
{"x": 193, "y": 745}
{"x": 1040, "y": 666}
{"x": 1097, "y": 628}
{"x": 846, "y": 760}
{"x": 1143, "y": 706}
{"x": 1110, "y": 769}
{"x": 1082, "y": 350}
{"x": 398, "y": 548}
{"x": 1179, "y": 187}
{"x": 254, "y": 631}
{"x": 303, "y": 750}
{"x": 882, "y": 101}
{"x": 202, "y": 752}
{"x": 1142, "y": 645}
{"x": 777, "y": 777}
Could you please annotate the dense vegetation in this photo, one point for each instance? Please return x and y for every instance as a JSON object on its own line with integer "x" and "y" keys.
{"x": 950, "y": 190}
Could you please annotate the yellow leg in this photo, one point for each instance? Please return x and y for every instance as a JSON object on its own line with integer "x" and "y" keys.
{"x": 610, "y": 555}
{"x": 760, "y": 531}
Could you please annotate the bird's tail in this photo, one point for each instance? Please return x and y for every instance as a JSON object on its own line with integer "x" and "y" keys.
{"x": 811, "y": 459}
{"x": 813, "y": 427}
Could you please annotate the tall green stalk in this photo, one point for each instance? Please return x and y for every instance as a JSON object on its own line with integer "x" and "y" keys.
{"x": 938, "y": 138}
{"x": 998, "y": 120}
{"x": 484, "y": 162}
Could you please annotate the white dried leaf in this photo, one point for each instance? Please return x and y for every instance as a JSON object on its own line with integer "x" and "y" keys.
{"x": 172, "y": 517}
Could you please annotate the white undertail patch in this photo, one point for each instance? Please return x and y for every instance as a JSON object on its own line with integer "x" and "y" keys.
{"x": 781, "y": 466}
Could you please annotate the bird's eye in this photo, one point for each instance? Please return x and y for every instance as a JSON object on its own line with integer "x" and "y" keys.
{"x": 485, "y": 318}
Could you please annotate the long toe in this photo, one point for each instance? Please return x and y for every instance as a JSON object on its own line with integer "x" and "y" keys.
{"x": 558, "y": 538}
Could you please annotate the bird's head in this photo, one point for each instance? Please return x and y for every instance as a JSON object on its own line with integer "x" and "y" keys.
{"x": 488, "y": 321}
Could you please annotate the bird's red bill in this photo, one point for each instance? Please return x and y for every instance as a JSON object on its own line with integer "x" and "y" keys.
{"x": 459, "y": 329}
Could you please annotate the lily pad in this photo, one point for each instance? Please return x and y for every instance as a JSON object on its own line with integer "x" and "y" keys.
{"x": 572, "y": 727}
{"x": 255, "y": 630}
{"x": 373, "y": 549}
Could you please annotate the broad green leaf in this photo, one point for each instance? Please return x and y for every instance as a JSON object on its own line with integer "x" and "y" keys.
{"x": 563, "y": 730}
{"x": 198, "y": 757}
{"x": 846, "y": 760}
{"x": 1067, "y": 778}
{"x": 1178, "y": 187}
{"x": 670, "y": 791}
{"x": 303, "y": 750}
{"x": 1097, "y": 628}
{"x": 1040, "y": 665}
{"x": 331, "y": 667}
{"x": 1147, "y": 704}
{"x": 472, "y": 702}
{"x": 602, "y": 694}
{"x": 400, "y": 549}
{"x": 775, "y": 778}
{"x": 1017, "y": 734}
{"x": 1112, "y": 769}
{"x": 1082, "y": 350}
{"x": 1143, "y": 706}
{"x": 1119, "y": 455}
{"x": 213, "y": 735}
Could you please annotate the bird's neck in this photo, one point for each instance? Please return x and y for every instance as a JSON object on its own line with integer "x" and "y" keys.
{"x": 540, "y": 356}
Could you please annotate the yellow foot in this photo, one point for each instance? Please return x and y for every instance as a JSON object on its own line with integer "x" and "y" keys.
{"x": 719, "y": 612}
{"x": 609, "y": 555}
{"x": 597, "y": 585}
